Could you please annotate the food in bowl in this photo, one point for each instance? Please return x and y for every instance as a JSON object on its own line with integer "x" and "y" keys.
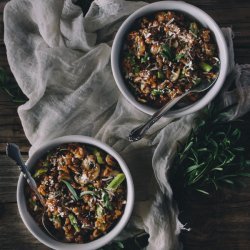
{"x": 84, "y": 188}
{"x": 165, "y": 54}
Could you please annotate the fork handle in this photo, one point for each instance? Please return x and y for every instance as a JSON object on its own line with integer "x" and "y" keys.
{"x": 138, "y": 132}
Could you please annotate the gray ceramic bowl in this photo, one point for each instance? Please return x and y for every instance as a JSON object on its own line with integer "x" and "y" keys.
{"x": 32, "y": 225}
{"x": 194, "y": 13}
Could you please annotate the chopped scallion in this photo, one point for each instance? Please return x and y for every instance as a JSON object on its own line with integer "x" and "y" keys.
{"x": 116, "y": 182}
{"x": 40, "y": 172}
{"x": 74, "y": 223}
{"x": 156, "y": 92}
{"x": 206, "y": 67}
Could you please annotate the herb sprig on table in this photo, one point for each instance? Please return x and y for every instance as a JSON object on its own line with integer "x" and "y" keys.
{"x": 212, "y": 155}
{"x": 9, "y": 86}
{"x": 136, "y": 242}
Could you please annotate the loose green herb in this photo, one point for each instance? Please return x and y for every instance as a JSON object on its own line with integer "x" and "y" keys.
{"x": 99, "y": 211}
{"x": 179, "y": 56}
{"x": 9, "y": 86}
{"x": 194, "y": 28}
{"x": 32, "y": 202}
{"x": 87, "y": 192}
{"x": 211, "y": 155}
{"x": 106, "y": 201}
{"x": 160, "y": 75}
{"x": 145, "y": 58}
{"x": 197, "y": 81}
{"x": 45, "y": 164}
{"x": 136, "y": 69}
{"x": 137, "y": 242}
{"x": 167, "y": 52}
{"x": 156, "y": 92}
{"x": 71, "y": 189}
{"x": 56, "y": 220}
{"x": 40, "y": 172}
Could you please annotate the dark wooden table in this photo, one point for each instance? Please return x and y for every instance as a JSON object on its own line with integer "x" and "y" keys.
{"x": 219, "y": 223}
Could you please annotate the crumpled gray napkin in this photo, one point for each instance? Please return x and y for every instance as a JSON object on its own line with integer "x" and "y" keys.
{"x": 61, "y": 61}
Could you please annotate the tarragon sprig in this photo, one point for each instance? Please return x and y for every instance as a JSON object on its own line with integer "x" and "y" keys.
{"x": 9, "y": 86}
{"x": 212, "y": 155}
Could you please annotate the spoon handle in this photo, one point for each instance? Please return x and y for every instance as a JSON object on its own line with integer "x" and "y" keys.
{"x": 137, "y": 133}
{"x": 12, "y": 151}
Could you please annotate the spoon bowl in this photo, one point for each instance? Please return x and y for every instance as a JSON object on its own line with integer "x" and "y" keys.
{"x": 137, "y": 133}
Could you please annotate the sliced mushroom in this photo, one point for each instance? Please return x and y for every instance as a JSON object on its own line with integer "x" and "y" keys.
{"x": 94, "y": 172}
{"x": 140, "y": 46}
{"x": 88, "y": 175}
{"x": 89, "y": 162}
{"x": 80, "y": 152}
{"x": 175, "y": 75}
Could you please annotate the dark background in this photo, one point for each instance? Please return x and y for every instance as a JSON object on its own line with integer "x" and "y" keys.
{"x": 220, "y": 222}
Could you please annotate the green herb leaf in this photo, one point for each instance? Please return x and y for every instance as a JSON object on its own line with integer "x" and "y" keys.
{"x": 106, "y": 201}
{"x": 156, "y": 92}
{"x": 228, "y": 181}
{"x": 45, "y": 164}
{"x": 40, "y": 172}
{"x": 144, "y": 58}
{"x": 197, "y": 81}
{"x": 71, "y": 189}
{"x": 9, "y": 86}
{"x": 166, "y": 52}
{"x": 87, "y": 192}
{"x": 202, "y": 191}
{"x": 179, "y": 56}
{"x": 160, "y": 75}
{"x": 136, "y": 69}
{"x": 194, "y": 167}
{"x": 119, "y": 244}
{"x": 244, "y": 174}
{"x": 99, "y": 211}
{"x": 240, "y": 149}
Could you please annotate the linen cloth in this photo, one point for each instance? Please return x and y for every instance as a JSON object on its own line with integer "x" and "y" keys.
{"x": 61, "y": 61}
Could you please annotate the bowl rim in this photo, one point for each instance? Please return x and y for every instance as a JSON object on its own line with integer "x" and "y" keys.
{"x": 33, "y": 227}
{"x": 197, "y": 14}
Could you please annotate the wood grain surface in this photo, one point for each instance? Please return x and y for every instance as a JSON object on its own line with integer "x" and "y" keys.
{"x": 222, "y": 222}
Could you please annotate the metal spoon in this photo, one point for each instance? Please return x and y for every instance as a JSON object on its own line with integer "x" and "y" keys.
{"x": 13, "y": 152}
{"x": 137, "y": 133}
